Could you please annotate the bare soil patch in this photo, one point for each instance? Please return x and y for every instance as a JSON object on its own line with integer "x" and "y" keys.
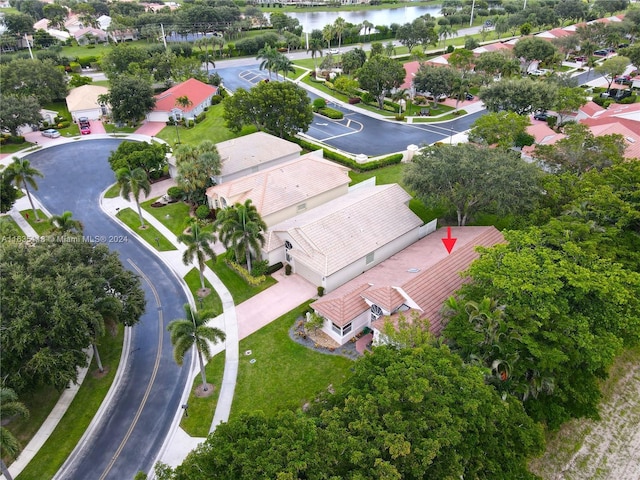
{"x": 201, "y": 392}
{"x": 608, "y": 449}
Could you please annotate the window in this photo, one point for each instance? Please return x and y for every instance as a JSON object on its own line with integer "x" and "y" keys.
{"x": 302, "y": 207}
{"x": 336, "y": 328}
{"x": 370, "y": 257}
{"x": 376, "y": 312}
{"x": 287, "y": 247}
{"x": 346, "y": 329}
{"x": 342, "y": 331}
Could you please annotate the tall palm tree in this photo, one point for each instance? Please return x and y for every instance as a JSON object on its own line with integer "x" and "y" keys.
{"x": 339, "y": 26}
{"x": 268, "y": 55}
{"x": 284, "y": 65}
{"x": 198, "y": 244}
{"x": 65, "y": 223}
{"x": 23, "y": 175}
{"x": 241, "y": 228}
{"x": 133, "y": 182}
{"x": 184, "y": 103}
{"x": 444, "y": 32}
{"x": 327, "y": 34}
{"x": 367, "y": 26}
{"x": 9, "y": 446}
{"x": 315, "y": 47}
{"x": 193, "y": 331}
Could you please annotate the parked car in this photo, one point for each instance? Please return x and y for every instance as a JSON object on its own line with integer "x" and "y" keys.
{"x": 51, "y": 133}
{"x": 539, "y": 72}
{"x": 623, "y": 80}
{"x": 334, "y": 51}
{"x": 616, "y": 94}
{"x": 85, "y": 129}
{"x": 542, "y": 116}
{"x": 604, "y": 52}
{"x": 580, "y": 59}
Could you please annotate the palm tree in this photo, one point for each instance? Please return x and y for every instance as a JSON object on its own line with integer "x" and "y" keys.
{"x": 268, "y": 55}
{"x": 327, "y": 34}
{"x": 183, "y": 102}
{"x": 198, "y": 244}
{"x": 444, "y": 32}
{"x": 22, "y": 174}
{"x": 389, "y": 49}
{"x": 190, "y": 331}
{"x": 339, "y": 26}
{"x": 9, "y": 407}
{"x": 133, "y": 182}
{"x": 241, "y": 228}
{"x": 315, "y": 46}
{"x": 284, "y": 65}
{"x": 65, "y": 223}
{"x": 367, "y": 26}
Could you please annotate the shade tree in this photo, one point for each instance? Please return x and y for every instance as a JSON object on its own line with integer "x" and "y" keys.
{"x": 469, "y": 179}
{"x": 131, "y": 98}
{"x": 379, "y": 75}
{"x": 534, "y": 49}
{"x": 150, "y": 156}
{"x": 501, "y": 128}
{"x": 612, "y": 68}
{"x": 521, "y": 96}
{"x": 16, "y": 111}
{"x": 196, "y": 166}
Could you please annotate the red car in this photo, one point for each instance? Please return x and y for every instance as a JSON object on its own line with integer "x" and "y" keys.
{"x": 85, "y": 130}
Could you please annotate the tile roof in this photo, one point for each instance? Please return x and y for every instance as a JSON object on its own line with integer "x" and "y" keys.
{"x": 631, "y": 137}
{"x": 195, "y": 90}
{"x": 343, "y": 230}
{"x": 241, "y": 153}
{"x": 387, "y": 298}
{"x": 85, "y": 97}
{"x": 287, "y": 184}
{"x": 423, "y": 272}
{"x": 590, "y": 108}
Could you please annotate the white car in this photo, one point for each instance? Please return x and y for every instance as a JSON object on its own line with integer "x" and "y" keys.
{"x": 51, "y": 133}
{"x": 334, "y": 51}
{"x": 539, "y": 72}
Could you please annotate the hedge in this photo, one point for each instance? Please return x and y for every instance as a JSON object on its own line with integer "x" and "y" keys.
{"x": 331, "y": 113}
{"x": 349, "y": 162}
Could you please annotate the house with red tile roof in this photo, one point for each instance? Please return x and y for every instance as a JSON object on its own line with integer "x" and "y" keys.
{"x": 197, "y": 92}
{"x": 414, "y": 281}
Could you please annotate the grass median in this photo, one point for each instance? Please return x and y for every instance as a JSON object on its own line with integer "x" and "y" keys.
{"x": 41, "y": 227}
{"x": 80, "y": 413}
{"x": 174, "y": 216}
{"x": 150, "y": 234}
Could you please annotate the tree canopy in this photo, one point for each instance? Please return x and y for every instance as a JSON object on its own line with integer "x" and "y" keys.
{"x": 522, "y": 96}
{"x": 379, "y": 75}
{"x": 436, "y": 81}
{"x": 470, "y": 179}
{"x": 502, "y": 128}
{"x": 150, "y": 156}
{"x": 16, "y": 111}
{"x": 404, "y": 413}
{"x": 38, "y": 78}
{"x": 55, "y": 300}
{"x": 280, "y": 108}
{"x": 131, "y": 98}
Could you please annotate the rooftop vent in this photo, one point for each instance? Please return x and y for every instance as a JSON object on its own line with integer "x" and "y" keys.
{"x": 413, "y": 270}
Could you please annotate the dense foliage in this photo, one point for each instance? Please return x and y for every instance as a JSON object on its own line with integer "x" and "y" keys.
{"x": 56, "y": 298}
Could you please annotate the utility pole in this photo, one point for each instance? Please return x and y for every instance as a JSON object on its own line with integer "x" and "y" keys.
{"x": 473, "y": 6}
{"x": 164, "y": 38}
{"x": 26, "y": 39}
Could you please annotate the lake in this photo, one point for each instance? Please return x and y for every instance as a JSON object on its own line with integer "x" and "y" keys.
{"x": 317, "y": 20}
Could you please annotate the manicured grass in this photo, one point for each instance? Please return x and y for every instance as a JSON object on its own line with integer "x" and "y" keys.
{"x": 239, "y": 288}
{"x": 174, "y": 216}
{"x": 285, "y": 374}
{"x": 77, "y": 418}
{"x": 9, "y": 227}
{"x": 202, "y": 409}
{"x": 111, "y": 129}
{"x": 40, "y": 227}
{"x": 113, "y": 192}
{"x": 212, "y": 128}
{"x": 152, "y": 236}
{"x": 210, "y": 302}
{"x": 15, "y": 147}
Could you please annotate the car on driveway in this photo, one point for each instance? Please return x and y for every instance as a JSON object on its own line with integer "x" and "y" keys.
{"x": 85, "y": 129}
{"x": 51, "y": 133}
{"x": 542, "y": 116}
{"x": 468, "y": 97}
{"x": 623, "y": 80}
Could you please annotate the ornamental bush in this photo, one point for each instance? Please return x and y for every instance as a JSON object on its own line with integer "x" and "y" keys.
{"x": 202, "y": 212}
{"x": 331, "y": 113}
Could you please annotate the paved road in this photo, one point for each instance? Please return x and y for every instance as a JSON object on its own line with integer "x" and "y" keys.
{"x": 130, "y": 434}
{"x": 357, "y": 132}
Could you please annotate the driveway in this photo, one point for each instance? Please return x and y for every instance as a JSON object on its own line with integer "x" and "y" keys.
{"x": 129, "y": 436}
{"x": 151, "y": 128}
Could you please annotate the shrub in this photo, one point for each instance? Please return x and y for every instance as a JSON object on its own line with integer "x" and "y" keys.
{"x": 287, "y": 269}
{"x": 320, "y": 291}
{"x": 251, "y": 280}
{"x": 319, "y": 103}
{"x": 259, "y": 268}
{"x": 552, "y": 120}
{"x": 87, "y": 61}
{"x": 202, "y": 212}
{"x": 176, "y": 193}
{"x": 216, "y": 99}
{"x": 450, "y": 49}
{"x": 201, "y": 117}
{"x": 368, "y": 98}
{"x": 331, "y": 113}
{"x": 400, "y": 117}
{"x": 354, "y": 100}
{"x": 523, "y": 138}
{"x": 628, "y": 100}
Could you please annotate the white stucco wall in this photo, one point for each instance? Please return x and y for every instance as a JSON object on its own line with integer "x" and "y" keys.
{"x": 358, "y": 323}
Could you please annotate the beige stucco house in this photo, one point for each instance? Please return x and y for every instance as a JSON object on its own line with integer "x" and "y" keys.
{"x": 334, "y": 243}
{"x": 83, "y": 102}
{"x": 286, "y": 190}
{"x": 416, "y": 280}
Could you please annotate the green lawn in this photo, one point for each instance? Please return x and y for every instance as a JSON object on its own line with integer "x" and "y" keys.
{"x": 285, "y": 375}
{"x": 40, "y": 227}
{"x": 15, "y": 147}
{"x": 239, "y": 288}
{"x": 174, "y": 216}
{"x": 152, "y": 236}
{"x": 9, "y": 227}
{"x": 211, "y": 301}
{"x": 77, "y": 418}
{"x": 212, "y": 128}
{"x": 113, "y": 192}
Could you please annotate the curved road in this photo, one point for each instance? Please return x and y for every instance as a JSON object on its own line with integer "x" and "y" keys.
{"x": 130, "y": 434}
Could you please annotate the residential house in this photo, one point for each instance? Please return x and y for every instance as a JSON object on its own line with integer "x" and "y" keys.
{"x": 332, "y": 244}
{"x": 286, "y": 190}
{"x": 198, "y": 93}
{"x": 415, "y": 281}
{"x": 84, "y": 102}
{"x": 89, "y": 35}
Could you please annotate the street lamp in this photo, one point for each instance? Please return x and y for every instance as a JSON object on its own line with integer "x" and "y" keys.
{"x": 403, "y": 105}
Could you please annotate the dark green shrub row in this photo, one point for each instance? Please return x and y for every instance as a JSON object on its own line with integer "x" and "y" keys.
{"x": 274, "y": 268}
{"x": 331, "y": 113}
{"x": 176, "y": 193}
{"x": 201, "y": 117}
{"x": 348, "y": 162}
{"x": 628, "y": 100}
{"x": 216, "y": 99}
{"x": 15, "y": 139}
